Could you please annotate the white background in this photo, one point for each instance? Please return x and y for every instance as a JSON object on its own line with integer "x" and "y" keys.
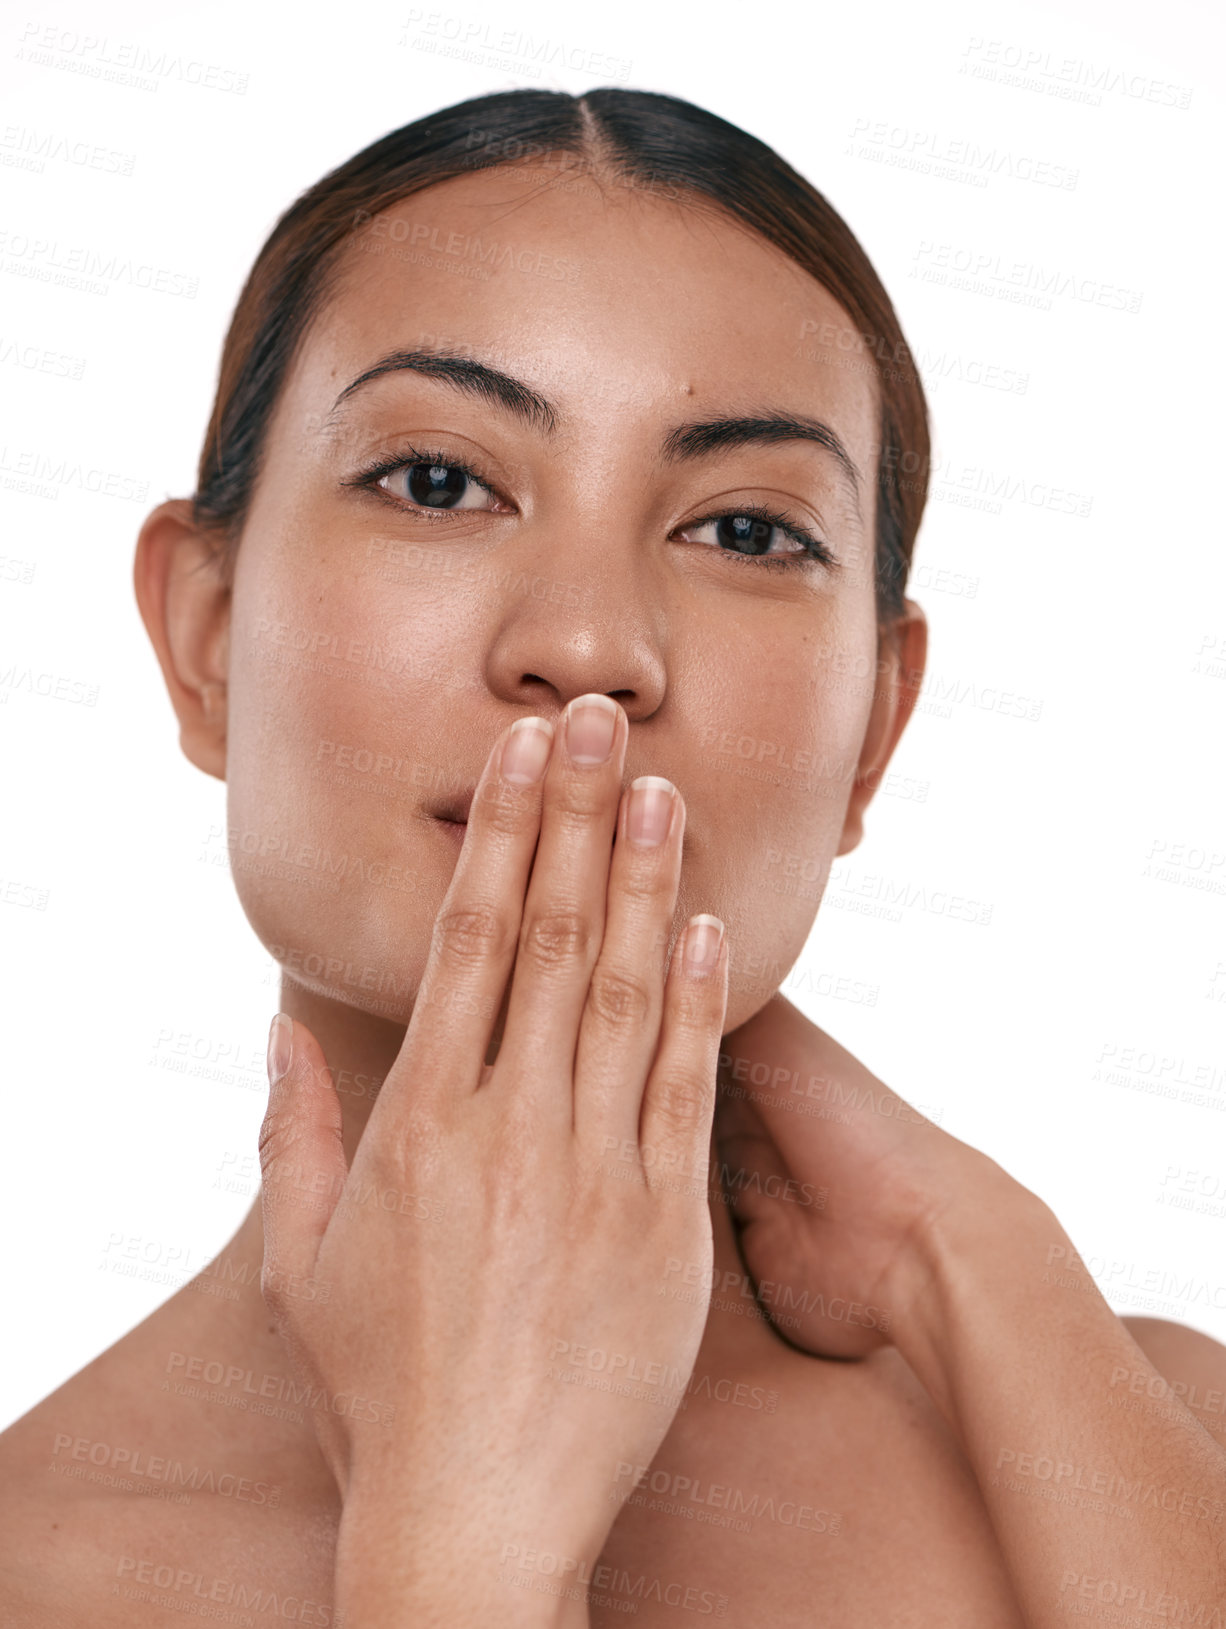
{"x": 121, "y": 936}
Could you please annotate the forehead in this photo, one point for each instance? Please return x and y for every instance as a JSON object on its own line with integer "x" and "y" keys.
{"x": 601, "y": 294}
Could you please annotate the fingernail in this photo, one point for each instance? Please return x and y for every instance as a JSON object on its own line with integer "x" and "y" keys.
{"x": 590, "y": 723}
{"x": 280, "y": 1047}
{"x": 650, "y": 810}
{"x": 702, "y": 942}
{"x": 525, "y": 752}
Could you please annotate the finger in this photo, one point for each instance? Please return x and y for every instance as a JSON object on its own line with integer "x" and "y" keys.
{"x": 744, "y": 1150}
{"x": 564, "y": 913}
{"x": 750, "y": 1170}
{"x": 620, "y": 1028}
{"x": 302, "y": 1155}
{"x": 736, "y": 1107}
{"x": 472, "y": 947}
{"x": 675, "y": 1125}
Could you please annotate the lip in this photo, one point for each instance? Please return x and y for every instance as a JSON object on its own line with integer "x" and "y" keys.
{"x": 455, "y": 810}
{"x": 453, "y": 817}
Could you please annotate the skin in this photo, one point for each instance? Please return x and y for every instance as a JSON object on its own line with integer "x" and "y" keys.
{"x": 633, "y": 601}
{"x": 676, "y": 634}
{"x": 511, "y": 1197}
{"x": 650, "y": 614}
{"x": 988, "y": 1302}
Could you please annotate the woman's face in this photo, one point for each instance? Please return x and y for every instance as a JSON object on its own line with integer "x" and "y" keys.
{"x": 378, "y": 645}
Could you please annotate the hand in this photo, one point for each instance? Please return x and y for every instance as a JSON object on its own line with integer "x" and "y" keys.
{"x": 512, "y": 1240}
{"x": 835, "y": 1182}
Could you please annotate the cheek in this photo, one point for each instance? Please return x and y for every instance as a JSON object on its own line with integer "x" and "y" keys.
{"x": 346, "y": 717}
{"x": 337, "y": 739}
{"x": 777, "y": 769}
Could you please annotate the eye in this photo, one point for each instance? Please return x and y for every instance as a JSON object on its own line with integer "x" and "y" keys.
{"x": 749, "y": 532}
{"x": 429, "y": 482}
{"x": 432, "y": 484}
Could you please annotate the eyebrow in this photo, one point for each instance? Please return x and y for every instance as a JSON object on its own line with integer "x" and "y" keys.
{"x": 696, "y": 439}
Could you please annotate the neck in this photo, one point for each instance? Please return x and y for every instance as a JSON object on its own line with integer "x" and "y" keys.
{"x": 360, "y": 1050}
{"x": 229, "y": 1325}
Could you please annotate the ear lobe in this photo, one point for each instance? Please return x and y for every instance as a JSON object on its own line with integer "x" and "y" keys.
{"x": 853, "y": 826}
{"x": 213, "y": 699}
{"x": 901, "y": 655}
{"x": 185, "y": 607}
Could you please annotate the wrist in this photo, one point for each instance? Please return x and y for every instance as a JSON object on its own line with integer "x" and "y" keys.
{"x": 457, "y": 1564}
{"x": 968, "y": 1247}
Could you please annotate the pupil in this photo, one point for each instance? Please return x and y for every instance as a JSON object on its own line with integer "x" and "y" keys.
{"x": 749, "y": 535}
{"x": 435, "y": 484}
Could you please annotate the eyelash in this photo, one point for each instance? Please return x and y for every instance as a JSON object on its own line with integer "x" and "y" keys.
{"x": 812, "y": 546}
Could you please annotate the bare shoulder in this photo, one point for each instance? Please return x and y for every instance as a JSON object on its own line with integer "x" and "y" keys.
{"x": 1191, "y": 1363}
{"x": 38, "y": 1516}
{"x": 65, "y": 1524}
{"x": 1166, "y": 1344}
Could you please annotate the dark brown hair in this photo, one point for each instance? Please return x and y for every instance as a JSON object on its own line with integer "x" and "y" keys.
{"x": 637, "y": 138}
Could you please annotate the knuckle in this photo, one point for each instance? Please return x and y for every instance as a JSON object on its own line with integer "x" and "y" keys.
{"x": 681, "y": 1101}
{"x": 644, "y": 879}
{"x": 399, "y": 1161}
{"x": 278, "y": 1135}
{"x": 619, "y": 998}
{"x": 504, "y": 812}
{"x": 402, "y": 1161}
{"x": 557, "y": 938}
{"x": 272, "y": 1288}
{"x": 473, "y": 933}
{"x": 697, "y": 1008}
{"x": 387, "y": 1165}
{"x": 573, "y": 799}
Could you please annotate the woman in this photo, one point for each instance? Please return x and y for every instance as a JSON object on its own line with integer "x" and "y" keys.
{"x": 562, "y": 446}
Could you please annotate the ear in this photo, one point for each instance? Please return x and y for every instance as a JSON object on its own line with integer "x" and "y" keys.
{"x": 902, "y": 649}
{"x": 185, "y": 606}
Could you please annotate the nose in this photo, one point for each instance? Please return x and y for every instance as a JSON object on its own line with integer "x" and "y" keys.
{"x": 562, "y": 633}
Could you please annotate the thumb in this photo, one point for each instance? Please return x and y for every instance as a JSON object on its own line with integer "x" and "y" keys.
{"x": 302, "y": 1156}
{"x": 752, "y": 1174}
{"x": 769, "y": 1233}
{"x": 750, "y": 1166}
